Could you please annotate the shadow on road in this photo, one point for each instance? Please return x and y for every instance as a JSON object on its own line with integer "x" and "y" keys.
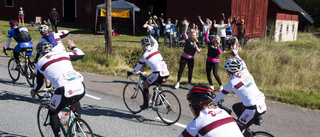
{"x": 6, "y": 134}
{"x": 93, "y": 110}
{"x": 7, "y": 95}
{"x": 12, "y": 83}
{"x": 125, "y": 82}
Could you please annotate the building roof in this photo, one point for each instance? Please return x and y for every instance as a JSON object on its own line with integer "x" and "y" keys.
{"x": 288, "y": 5}
{"x": 292, "y": 6}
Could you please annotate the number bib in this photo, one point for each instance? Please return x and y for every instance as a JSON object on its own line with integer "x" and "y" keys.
{"x": 71, "y": 75}
{"x": 247, "y": 79}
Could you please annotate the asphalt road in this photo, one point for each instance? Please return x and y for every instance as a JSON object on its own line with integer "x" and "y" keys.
{"x": 104, "y": 110}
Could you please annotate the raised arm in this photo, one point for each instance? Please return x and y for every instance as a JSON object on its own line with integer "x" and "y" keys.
{"x": 76, "y": 54}
{"x": 207, "y": 35}
{"x": 199, "y": 17}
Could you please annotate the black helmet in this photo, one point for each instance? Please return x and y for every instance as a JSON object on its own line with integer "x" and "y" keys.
{"x": 44, "y": 47}
{"x": 13, "y": 23}
{"x": 200, "y": 95}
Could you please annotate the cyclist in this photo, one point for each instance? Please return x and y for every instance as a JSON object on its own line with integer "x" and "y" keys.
{"x": 21, "y": 45}
{"x": 243, "y": 85}
{"x": 154, "y": 60}
{"x": 57, "y": 67}
{"x": 53, "y": 38}
{"x": 210, "y": 120}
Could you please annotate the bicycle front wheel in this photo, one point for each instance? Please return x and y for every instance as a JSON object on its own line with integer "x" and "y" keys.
{"x": 168, "y": 107}
{"x": 261, "y": 134}
{"x": 80, "y": 128}
{"x": 30, "y": 74}
{"x": 14, "y": 72}
{"x": 43, "y": 120}
{"x": 133, "y": 97}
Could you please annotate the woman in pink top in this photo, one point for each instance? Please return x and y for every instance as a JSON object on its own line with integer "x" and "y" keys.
{"x": 213, "y": 58}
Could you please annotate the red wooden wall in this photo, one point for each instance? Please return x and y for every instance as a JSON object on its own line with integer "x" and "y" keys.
{"x": 254, "y": 13}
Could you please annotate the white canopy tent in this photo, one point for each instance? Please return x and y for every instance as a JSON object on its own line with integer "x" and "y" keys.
{"x": 119, "y": 5}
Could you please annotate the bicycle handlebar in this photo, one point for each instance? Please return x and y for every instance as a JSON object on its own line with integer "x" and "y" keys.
{"x": 129, "y": 74}
{"x": 5, "y": 49}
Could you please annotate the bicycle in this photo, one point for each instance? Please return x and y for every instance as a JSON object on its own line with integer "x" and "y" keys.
{"x": 76, "y": 126}
{"x": 27, "y": 68}
{"x": 164, "y": 102}
{"x": 248, "y": 132}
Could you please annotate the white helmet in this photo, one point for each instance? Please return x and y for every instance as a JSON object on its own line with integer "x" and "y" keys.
{"x": 232, "y": 66}
{"x": 43, "y": 28}
{"x": 145, "y": 42}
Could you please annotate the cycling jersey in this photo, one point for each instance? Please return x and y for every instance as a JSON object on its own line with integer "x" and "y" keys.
{"x": 212, "y": 123}
{"x": 21, "y": 45}
{"x": 57, "y": 67}
{"x": 154, "y": 60}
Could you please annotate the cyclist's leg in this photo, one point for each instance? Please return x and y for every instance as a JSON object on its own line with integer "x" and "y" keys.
{"x": 57, "y": 102}
{"x": 152, "y": 78}
{"x": 16, "y": 53}
{"x": 245, "y": 119}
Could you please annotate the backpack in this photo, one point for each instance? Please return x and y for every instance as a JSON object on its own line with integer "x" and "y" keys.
{"x": 23, "y": 34}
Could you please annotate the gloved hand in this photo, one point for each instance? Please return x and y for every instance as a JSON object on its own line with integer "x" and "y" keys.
{"x": 234, "y": 52}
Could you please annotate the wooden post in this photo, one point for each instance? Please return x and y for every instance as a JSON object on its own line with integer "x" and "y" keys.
{"x": 108, "y": 34}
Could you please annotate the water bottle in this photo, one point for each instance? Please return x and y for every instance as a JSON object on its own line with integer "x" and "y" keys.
{"x": 65, "y": 120}
{"x": 22, "y": 64}
{"x": 61, "y": 117}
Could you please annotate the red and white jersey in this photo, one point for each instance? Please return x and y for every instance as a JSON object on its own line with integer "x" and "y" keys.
{"x": 57, "y": 67}
{"x": 153, "y": 59}
{"x": 243, "y": 85}
{"x": 212, "y": 123}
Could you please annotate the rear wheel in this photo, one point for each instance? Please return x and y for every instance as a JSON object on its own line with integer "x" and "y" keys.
{"x": 80, "y": 128}
{"x": 43, "y": 120}
{"x": 14, "y": 72}
{"x": 30, "y": 74}
{"x": 168, "y": 107}
{"x": 261, "y": 134}
{"x": 133, "y": 97}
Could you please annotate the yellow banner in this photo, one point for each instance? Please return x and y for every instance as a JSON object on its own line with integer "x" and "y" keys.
{"x": 116, "y": 13}
{"x": 120, "y": 13}
{"x": 103, "y": 13}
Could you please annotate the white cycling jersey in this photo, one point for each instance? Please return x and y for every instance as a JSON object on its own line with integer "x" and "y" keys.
{"x": 153, "y": 59}
{"x": 243, "y": 85}
{"x": 212, "y": 123}
{"x": 57, "y": 67}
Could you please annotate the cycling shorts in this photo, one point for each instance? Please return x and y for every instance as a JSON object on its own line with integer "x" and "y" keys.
{"x": 155, "y": 78}
{"x": 63, "y": 96}
{"x": 22, "y": 45}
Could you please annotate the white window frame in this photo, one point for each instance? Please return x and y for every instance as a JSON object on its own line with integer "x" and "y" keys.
{"x": 12, "y": 3}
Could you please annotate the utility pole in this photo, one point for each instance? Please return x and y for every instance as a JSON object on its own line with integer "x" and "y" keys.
{"x": 108, "y": 34}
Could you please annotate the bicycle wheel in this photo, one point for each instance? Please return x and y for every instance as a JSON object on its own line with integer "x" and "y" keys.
{"x": 261, "y": 134}
{"x": 14, "y": 73}
{"x": 168, "y": 107}
{"x": 133, "y": 97}
{"x": 43, "y": 120}
{"x": 80, "y": 128}
{"x": 30, "y": 73}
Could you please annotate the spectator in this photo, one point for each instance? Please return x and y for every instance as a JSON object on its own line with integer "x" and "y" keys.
{"x": 241, "y": 31}
{"x": 157, "y": 21}
{"x": 213, "y": 58}
{"x": 204, "y": 27}
{"x": 210, "y": 120}
{"x": 187, "y": 56}
{"x": 21, "y": 17}
{"x": 229, "y": 29}
{"x": 150, "y": 27}
{"x": 168, "y": 31}
{"x": 221, "y": 31}
{"x": 54, "y": 19}
{"x": 194, "y": 28}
